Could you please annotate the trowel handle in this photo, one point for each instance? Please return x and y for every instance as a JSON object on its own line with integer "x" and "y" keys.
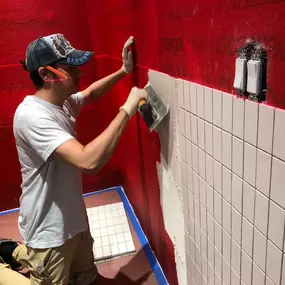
{"x": 142, "y": 102}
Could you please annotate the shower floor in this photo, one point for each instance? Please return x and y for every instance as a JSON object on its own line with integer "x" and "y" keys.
{"x": 127, "y": 268}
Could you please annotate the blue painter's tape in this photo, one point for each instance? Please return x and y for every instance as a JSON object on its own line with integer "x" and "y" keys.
{"x": 156, "y": 268}
{"x": 9, "y": 211}
{"x": 100, "y": 191}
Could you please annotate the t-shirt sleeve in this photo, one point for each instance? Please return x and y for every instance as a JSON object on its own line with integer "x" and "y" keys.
{"x": 75, "y": 103}
{"x": 41, "y": 133}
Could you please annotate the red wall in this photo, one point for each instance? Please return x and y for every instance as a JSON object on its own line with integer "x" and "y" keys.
{"x": 194, "y": 40}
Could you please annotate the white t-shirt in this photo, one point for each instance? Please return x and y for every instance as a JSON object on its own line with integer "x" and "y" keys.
{"x": 52, "y": 209}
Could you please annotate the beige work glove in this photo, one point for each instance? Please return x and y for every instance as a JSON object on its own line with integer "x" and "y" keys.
{"x": 127, "y": 56}
{"x": 131, "y": 105}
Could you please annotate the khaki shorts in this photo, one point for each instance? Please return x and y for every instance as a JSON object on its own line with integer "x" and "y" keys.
{"x": 71, "y": 263}
{"x": 10, "y": 277}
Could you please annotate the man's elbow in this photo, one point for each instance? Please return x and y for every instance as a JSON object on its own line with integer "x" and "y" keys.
{"x": 90, "y": 169}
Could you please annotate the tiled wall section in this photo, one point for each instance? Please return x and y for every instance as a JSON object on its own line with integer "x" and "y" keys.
{"x": 233, "y": 179}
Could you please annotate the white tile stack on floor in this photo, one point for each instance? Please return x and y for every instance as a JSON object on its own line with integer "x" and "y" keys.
{"x": 111, "y": 231}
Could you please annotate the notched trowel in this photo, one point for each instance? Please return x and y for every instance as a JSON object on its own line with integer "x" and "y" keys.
{"x": 154, "y": 109}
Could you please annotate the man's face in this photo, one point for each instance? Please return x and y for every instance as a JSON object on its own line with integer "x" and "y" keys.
{"x": 73, "y": 74}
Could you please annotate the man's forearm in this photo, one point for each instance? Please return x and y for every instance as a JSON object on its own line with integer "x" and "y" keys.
{"x": 98, "y": 151}
{"x": 103, "y": 86}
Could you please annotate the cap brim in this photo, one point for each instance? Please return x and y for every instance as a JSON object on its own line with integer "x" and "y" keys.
{"x": 77, "y": 57}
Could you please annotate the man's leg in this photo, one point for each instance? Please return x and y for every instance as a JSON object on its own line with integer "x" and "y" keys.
{"x": 48, "y": 266}
{"x": 10, "y": 277}
{"x": 83, "y": 269}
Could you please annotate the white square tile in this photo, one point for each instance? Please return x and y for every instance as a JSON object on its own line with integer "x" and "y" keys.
{"x": 274, "y": 261}
{"x": 201, "y": 133}
{"x": 246, "y": 268}
{"x": 126, "y": 228}
{"x": 258, "y": 276}
{"x": 203, "y": 218}
{"x": 227, "y": 216}
{"x": 217, "y": 143}
{"x": 247, "y": 237}
{"x": 98, "y": 252}
{"x": 283, "y": 271}
{"x": 204, "y": 267}
{"x": 227, "y": 120}
{"x": 238, "y": 117}
{"x": 200, "y": 101}
{"x": 208, "y": 104}
{"x": 185, "y": 198}
{"x": 197, "y": 235}
{"x": 104, "y": 232}
{"x": 209, "y": 138}
{"x": 115, "y": 213}
{"x": 209, "y": 170}
{"x": 120, "y": 238}
{"x": 194, "y": 129}
{"x": 110, "y": 222}
{"x": 237, "y": 193}
{"x": 250, "y": 123}
{"x": 128, "y": 236}
{"x": 261, "y": 212}
{"x": 227, "y": 246}
{"x": 97, "y": 242}
{"x": 218, "y": 236}
{"x": 192, "y": 227}
{"x": 191, "y": 204}
{"x": 259, "y": 250}
{"x": 217, "y": 108}
{"x": 111, "y": 230}
{"x": 101, "y": 209}
{"x": 278, "y": 182}
{"x": 118, "y": 229}
{"x": 227, "y": 184}
{"x": 105, "y": 241}
{"x": 115, "y": 249}
{"x": 113, "y": 239}
{"x": 236, "y": 257}
{"x": 226, "y": 272}
{"x": 227, "y": 149}
{"x": 248, "y": 201}
{"x": 196, "y": 186}
{"x": 236, "y": 226}
{"x": 210, "y": 199}
{"x": 106, "y": 251}
{"x": 204, "y": 242}
{"x": 235, "y": 278}
{"x": 218, "y": 177}
{"x": 109, "y": 215}
{"x": 195, "y": 158}
{"x": 249, "y": 164}
{"x": 210, "y": 227}
{"x": 193, "y": 98}
{"x": 122, "y": 247}
{"x": 130, "y": 246}
{"x": 218, "y": 263}
{"x": 96, "y": 233}
{"x": 202, "y": 189}
{"x": 263, "y": 170}
{"x": 276, "y": 224}
{"x": 265, "y": 127}
{"x": 202, "y": 162}
{"x": 182, "y": 148}
{"x": 190, "y": 179}
{"x": 96, "y": 225}
{"x": 218, "y": 207}
{"x": 188, "y": 125}
{"x": 184, "y": 174}
{"x": 237, "y": 152}
{"x": 186, "y": 95}
{"x": 188, "y": 155}
{"x": 182, "y": 122}
{"x": 279, "y": 134}
{"x": 197, "y": 211}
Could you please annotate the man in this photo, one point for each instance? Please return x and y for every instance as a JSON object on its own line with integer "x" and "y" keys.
{"x": 52, "y": 221}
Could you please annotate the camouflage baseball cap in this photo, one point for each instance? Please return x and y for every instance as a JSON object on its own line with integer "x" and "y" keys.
{"x": 54, "y": 48}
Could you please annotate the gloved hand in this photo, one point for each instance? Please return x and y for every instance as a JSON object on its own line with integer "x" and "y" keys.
{"x": 127, "y": 57}
{"x": 131, "y": 105}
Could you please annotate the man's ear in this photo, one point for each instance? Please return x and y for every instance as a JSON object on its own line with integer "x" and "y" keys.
{"x": 44, "y": 73}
